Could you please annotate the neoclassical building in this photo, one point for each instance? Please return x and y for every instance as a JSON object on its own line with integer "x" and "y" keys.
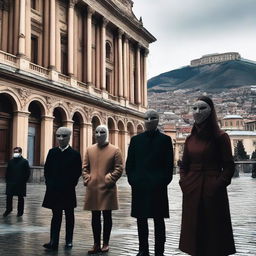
{"x": 74, "y": 63}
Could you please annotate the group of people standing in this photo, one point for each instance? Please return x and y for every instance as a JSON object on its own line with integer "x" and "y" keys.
{"x": 206, "y": 170}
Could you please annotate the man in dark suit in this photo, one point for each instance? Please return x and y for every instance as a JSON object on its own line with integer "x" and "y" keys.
{"x": 62, "y": 170}
{"x": 17, "y": 175}
{"x": 149, "y": 169}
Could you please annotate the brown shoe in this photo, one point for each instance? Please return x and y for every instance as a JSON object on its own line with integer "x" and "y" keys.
{"x": 95, "y": 249}
{"x": 105, "y": 248}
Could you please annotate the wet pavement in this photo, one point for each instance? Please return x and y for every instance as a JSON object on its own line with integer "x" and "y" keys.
{"x": 23, "y": 236}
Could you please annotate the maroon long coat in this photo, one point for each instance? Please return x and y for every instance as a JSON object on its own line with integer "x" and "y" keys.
{"x": 206, "y": 170}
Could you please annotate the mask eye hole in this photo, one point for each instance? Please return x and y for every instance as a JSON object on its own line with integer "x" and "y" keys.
{"x": 61, "y": 135}
{"x": 194, "y": 108}
{"x": 150, "y": 118}
{"x": 202, "y": 108}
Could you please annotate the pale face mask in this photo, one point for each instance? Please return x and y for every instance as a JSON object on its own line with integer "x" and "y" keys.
{"x": 151, "y": 120}
{"x": 63, "y": 136}
{"x": 16, "y": 154}
{"x": 201, "y": 111}
{"x": 101, "y": 135}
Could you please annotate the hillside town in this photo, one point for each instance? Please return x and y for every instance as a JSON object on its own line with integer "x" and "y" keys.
{"x": 236, "y": 112}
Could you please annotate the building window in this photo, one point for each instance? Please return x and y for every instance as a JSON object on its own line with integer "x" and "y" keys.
{"x": 231, "y": 124}
{"x": 34, "y": 4}
{"x": 108, "y": 51}
{"x": 34, "y": 49}
{"x": 64, "y": 55}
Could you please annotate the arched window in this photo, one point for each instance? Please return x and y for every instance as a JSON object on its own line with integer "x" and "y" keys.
{"x": 108, "y": 51}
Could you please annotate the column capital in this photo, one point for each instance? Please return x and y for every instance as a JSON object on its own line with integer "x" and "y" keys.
{"x": 146, "y": 52}
{"x": 72, "y": 3}
{"x": 90, "y": 11}
{"x": 120, "y": 32}
{"x": 105, "y": 21}
{"x": 126, "y": 37}
{"x": 139, "y": 46}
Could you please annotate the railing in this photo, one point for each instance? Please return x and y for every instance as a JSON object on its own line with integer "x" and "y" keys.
{"x": 245, "y": 166}
{"x": 64, "y": 79}
{"x": 41, "y": 70}
{"x": 7, "y": 57}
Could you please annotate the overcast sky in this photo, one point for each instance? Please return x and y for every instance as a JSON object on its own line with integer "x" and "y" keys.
{"x": 188, "y": 29}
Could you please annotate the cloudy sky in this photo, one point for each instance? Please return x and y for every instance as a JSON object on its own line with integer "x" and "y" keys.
{"x": 188, "y": 29}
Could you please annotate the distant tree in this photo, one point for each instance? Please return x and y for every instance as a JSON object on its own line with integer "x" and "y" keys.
{"x": 240, "y": 153}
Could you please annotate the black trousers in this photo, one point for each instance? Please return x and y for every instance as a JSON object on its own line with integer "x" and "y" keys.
{"x": 159, "y": 226}
{"x": 20, "y": 207}
{"x": 56, "y": 225}
{"x": 96, "y": 226}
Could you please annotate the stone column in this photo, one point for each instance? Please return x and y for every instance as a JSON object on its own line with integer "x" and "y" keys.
{"x": 52, "y": 34}
{"x": 22, "y": 28}
{"x": 20, "y": 131}
{"x": 131, "y": 75}
{"x": 89, "y": 45}
{"x": 145, "y": 78}
{"x": 89, "y": 134}
{"x": 126, "y": 141}
{"x": 125, "y": 72}
{"x": 138, "y": 84}
{"x": 103, "y": 54}
{"x": 46, "y": 136}
{"x": 28, "y": 30}
{"x": 120, "y": 64}
{"x": 46, "y": 40}
{"x": 69, "y": 124}
{"x": 84, "y": 139}
{"x": 71, "y": 38}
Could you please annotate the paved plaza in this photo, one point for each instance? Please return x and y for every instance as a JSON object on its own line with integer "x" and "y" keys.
{"x": 23, "y": 236}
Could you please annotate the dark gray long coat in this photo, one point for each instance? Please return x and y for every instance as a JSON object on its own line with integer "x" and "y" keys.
{"x": 149, "y": 169}
{"x": 62, "y": 171}
{"x": 17, "y": 175}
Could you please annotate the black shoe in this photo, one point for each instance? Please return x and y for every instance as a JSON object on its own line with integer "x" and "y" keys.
{"x": 68, "y": 246}
{"x": 19, "y": 214}
{"x": 6, "y": 213}
{"x": 51, "y": 247}
{"x": 143, "y": 253}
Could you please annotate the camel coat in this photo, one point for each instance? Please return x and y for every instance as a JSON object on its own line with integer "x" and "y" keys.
{"x": 206, "y": 170}
{"x": 102, "y": 167}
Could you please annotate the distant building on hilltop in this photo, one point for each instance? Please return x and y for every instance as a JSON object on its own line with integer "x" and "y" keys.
{"x": 215, "y": 58}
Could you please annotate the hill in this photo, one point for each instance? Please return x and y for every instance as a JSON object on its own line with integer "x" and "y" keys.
{"x": 230, "y": 74}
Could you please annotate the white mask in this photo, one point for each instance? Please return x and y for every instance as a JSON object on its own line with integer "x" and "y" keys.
{"x": 201, "y": 111}
{"x": 101, "y": 135}
{"x": 16, "y": 155}
{"x": 63, "y": 136}
{"x": 151, "y": 120}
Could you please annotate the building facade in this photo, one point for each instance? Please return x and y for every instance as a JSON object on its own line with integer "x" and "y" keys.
{"x": 76, "y": 63}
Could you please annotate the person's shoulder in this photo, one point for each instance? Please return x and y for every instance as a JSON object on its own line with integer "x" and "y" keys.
{"x": 138, "y": 136}
{"x": 54, "y": 149}
{"x": 75, "y": 152}
{"x": 222, "y": 135}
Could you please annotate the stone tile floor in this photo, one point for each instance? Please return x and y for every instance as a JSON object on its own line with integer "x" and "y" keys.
{"x": 25, "y": 235}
